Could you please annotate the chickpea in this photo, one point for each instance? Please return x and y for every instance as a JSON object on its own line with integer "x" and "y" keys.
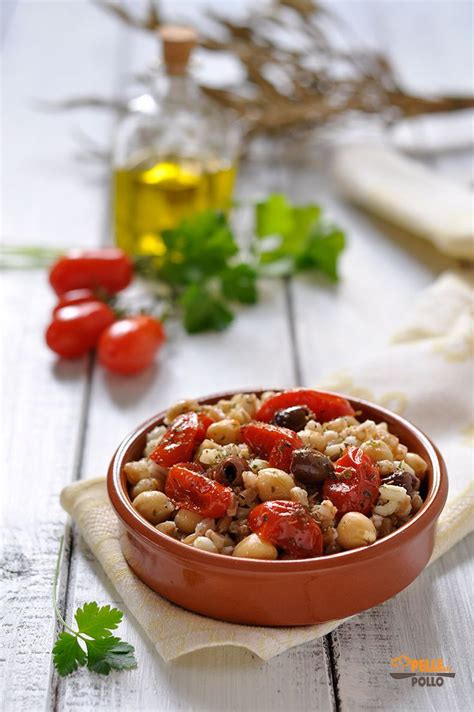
{"x": 417, "y": 464}
{"x": 274, "y": 484}
{"x": 224, "y": 431}
{"x": 136, "y": 471}
{"x": 213, "y": 412}
{"x": 187, "y": 521}
{"x": 254, "y": 547}
{"x": 148, "y": 484}
{"x": 377, "y": 450}
{"x": 182, "y": 406}
{"x": 354, "y": 530}
{"x": 155, "y": 507}
{"x": 240, "y": 414}
{"x": 205, "y": 544}
{"x": 247, "y": 401}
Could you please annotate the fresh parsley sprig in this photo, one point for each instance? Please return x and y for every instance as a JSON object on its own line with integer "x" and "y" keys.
{"x": 200, "y": 262}
{"x": 296, "y": 238}
{"x": 92, "y": 643}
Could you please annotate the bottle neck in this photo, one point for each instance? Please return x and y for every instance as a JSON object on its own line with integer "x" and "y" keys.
{"x": 174, "y": 88}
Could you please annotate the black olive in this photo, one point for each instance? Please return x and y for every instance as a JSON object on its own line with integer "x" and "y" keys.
{"x": 293, "y": 418}
{"x": 404, "y": 479}
{"x": 310, "y": 466}
{"x": 229, "y": 471}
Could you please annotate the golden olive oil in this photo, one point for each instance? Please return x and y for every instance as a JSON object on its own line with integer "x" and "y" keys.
{"x": 150, "y": 199}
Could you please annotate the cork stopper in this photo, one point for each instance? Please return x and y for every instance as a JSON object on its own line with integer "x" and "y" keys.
{"x": 178, "y": 43}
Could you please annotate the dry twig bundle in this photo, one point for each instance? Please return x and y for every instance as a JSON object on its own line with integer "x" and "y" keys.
{"x": 296, "y": 77}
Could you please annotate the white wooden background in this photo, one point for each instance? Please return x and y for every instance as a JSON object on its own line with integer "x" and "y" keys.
{"x": 61, "y": 422}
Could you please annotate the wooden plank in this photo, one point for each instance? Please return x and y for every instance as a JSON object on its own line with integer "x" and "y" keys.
{"x": 43, "y": 404}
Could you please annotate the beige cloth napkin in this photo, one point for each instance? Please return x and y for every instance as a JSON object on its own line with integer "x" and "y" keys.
{"x": 425, "y": 375}
{"x": 409, "y": 195}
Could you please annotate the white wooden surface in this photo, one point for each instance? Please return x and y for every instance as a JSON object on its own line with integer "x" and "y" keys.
{"x": 62, "y": 422}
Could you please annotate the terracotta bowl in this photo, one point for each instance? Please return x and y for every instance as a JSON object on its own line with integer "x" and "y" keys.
{"x": 281, "y": 593}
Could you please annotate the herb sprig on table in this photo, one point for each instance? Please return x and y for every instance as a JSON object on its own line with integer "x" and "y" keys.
{"x": 203, "y": 268}
{"x": 92, "y": 643}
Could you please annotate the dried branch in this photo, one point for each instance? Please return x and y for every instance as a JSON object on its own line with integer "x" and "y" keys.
{"x": 289, "y": 87}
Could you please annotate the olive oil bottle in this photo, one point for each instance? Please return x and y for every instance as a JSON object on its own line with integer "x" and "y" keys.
{"x": 175, "y": 160}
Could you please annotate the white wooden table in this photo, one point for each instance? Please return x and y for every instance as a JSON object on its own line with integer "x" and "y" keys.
{"x": 61, "y": 422}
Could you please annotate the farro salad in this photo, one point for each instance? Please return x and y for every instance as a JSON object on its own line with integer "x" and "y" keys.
{"x": 285, "y": 475}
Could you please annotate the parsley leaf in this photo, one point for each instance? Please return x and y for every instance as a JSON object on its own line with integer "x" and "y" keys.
{"x": 296, "y": 238}
{"x": 239, "y": 283}
{"x": 68, "y": 654}
{"x": 92, "y": 644}
{"x": 202, "y": 310}
{"x": 109, "y": 654}
{"x": 97, "y": 622}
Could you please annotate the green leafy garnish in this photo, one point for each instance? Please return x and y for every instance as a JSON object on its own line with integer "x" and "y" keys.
{"x": 200, "y": 261}
{"x": 92, "y": 643}
{"x": 295, "y": 238}
{"x": 203, "y": 310}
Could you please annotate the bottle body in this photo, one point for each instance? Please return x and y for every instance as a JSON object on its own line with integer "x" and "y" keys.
{"x": 150, "y": 199}
{"x": 174, "y": 161}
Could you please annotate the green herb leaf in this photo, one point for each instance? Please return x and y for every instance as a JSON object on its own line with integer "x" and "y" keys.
{"x": 322, "y": 251}
{"x": 274, "y": 216}
{"x": 295, "y": 238}
{"x": 203, "y": 311}
{"x": 200, "y": 247}
{"x": 109, "y": 654}
{"x": 97, "y": 622}
{"x": 239, "y": 283}
{"x": 104, "y": 651}
{"x": 68, "y": 654}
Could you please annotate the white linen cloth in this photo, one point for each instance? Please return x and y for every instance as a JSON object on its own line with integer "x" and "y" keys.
{"x": 409, "y": 195}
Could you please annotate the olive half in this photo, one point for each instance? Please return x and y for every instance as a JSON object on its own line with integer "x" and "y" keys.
{"x": 310, "y": 466}
{"x": 402, "y": 479}
{"x": 293, "y": 418}
{"x": 229, "y": 471}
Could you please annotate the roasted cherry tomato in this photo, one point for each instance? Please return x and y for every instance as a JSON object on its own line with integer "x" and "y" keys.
{"x": 289, "y": 526}
{"x": 354, "y": 485}
{"x": 75, "y": 296}
{"x": 108, "y": 268}
{"x": 192, "y": 490}
{"x": 325, "y": 406}
{"x": 271, "y": 442}
{"x": 185, "y": 433}
{"x": 130, "y": 345}
{"x": 76, "y": 329}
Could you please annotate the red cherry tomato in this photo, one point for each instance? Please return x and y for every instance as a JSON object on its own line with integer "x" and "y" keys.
{"x": 185, "y": 433}
{"x": 281, "y": 455}
{"x": 194, "y": 491}
{"x": 325, "y": 406}
{"x": 76, "y": 329}
{"x": 109, "y": 268}
{"x": 289, "y": 526}
{"x": 130, "y": 344}
{"x": 271, "y": 442}
{"x": 354, "y": 486}
{"x": 75, "y": 296}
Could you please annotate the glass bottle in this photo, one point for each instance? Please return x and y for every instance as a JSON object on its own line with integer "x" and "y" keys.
{"x": 176, "y": 159}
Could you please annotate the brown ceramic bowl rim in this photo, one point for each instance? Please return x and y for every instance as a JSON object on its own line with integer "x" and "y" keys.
{"x": 428, "y": 513}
